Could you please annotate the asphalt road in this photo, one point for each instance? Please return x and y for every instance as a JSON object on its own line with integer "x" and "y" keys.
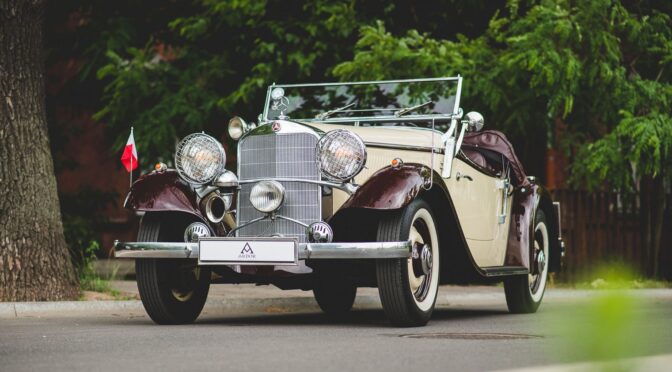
{"x": 475, "y": 334}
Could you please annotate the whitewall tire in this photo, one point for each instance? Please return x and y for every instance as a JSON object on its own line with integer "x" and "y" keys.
{"x": 408, "y": 287}
{"x": 525, "y": 292}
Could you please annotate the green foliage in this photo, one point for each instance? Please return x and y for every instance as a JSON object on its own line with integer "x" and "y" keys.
{"x": 215, "y": 63}
{"x": 607, "y": 327}
{"x": 88, "y": 278}
{"x": 81, "y": 222}
{"x": 639, "y": 145}
{"x": 173, "y": 68}
{"x": 585, "y": 63}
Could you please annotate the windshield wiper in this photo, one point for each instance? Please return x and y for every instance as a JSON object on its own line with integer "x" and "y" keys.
{"x": 406, "y": 110}
{"x": 327, "y": 114}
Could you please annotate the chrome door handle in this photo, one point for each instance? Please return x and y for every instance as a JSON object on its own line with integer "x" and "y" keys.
{"x": 459, "y": 175}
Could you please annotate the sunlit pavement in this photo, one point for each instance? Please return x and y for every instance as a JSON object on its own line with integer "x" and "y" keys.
{"x": 470, "y": 330}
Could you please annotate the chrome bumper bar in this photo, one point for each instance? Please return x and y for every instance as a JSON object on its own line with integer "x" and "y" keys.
{"x": 312, "y": 251}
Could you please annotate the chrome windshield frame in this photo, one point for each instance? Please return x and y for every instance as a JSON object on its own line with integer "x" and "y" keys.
{"x": 386, "y": 118}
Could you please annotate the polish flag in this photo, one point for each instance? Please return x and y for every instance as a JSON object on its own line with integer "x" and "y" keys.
{"x": 130, "y": 156}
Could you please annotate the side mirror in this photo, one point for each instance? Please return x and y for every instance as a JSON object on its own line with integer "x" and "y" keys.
{"x": 474, "y": 121}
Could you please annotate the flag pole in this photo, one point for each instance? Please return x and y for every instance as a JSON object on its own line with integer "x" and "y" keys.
{"x": 131, "y": 172}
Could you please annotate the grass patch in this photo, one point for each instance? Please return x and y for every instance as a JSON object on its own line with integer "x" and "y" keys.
{"x": 90, "y": 281}
{"x": 601, "y": 283}
{"x": 611, "y": 276}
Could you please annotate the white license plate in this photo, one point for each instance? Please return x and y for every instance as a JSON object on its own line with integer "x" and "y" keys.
{"x": 255, "y": 251}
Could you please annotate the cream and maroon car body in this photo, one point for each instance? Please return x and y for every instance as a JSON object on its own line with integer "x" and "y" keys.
{"x": 479, "y": 218}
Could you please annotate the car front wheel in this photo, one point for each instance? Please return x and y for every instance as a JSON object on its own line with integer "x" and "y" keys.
{"x": 172, "y": 291}
{"x": 408, "y": 287}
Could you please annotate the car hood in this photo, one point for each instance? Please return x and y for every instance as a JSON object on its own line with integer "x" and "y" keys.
{"x": 390, "y": 136}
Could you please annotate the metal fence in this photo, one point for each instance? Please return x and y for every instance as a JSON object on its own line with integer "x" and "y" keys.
{"x": 601, "y": 227}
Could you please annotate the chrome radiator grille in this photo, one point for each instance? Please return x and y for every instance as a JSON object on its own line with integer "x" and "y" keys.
{"x": 280, "y": 156}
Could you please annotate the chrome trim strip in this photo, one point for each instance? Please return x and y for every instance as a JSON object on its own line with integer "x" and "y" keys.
{"x": 374, "y": 250}
{"x": 312, "y": 251}
{"x": 491, "y": 271}
{"x": 268, "y": 96}
{"x": 155, "y": 250}
{"x": 291, "y": 220}
{"x": 376, "y": 119}
{"x": 238, "y": 227}
{"x": 458, "y": 95}
{"x": 347, "y": 187}
{"x": 437, "y": 150}
{"x": 369, "y": 82}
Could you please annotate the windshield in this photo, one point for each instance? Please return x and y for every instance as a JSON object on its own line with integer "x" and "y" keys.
{"x": 394, "y": 102}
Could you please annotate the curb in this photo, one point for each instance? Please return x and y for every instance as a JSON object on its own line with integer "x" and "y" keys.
{"x": 232, "y": 305}
{"x": 12, "y": 310}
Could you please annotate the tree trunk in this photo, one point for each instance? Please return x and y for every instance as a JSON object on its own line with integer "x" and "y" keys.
{"x": 34, "y": 260}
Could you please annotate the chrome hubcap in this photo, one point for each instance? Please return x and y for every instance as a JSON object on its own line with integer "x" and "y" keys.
{"x": 537, "y": 278}
{"x": 541, "y": 262}
{"x": 420, "y": 264}
{"x": 426, "y": 259}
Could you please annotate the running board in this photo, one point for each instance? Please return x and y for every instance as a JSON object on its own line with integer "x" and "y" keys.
{"x": 505, "y": 270}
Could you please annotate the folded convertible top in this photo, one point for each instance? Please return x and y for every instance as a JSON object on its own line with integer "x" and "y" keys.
{"x": 495, "y": 141}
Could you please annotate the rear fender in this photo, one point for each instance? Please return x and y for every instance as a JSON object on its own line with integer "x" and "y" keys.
{"x": 519, "y": 250}
{"x": 163, "y": 192}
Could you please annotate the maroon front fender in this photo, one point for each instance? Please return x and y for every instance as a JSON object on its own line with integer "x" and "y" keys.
{"x": 163, "y": 192}
{"x": 390, "y": 188}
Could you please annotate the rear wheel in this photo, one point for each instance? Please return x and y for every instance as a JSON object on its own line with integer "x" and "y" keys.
{"x": 525, "y": 292}
{"x": 408, "y": 287}
{"x": 172, "y": 291}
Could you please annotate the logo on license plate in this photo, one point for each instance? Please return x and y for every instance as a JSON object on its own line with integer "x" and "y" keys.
{"x": 247, "y": 253}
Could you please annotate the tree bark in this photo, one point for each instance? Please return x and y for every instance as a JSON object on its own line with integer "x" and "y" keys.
{"x": 34, "y": 260}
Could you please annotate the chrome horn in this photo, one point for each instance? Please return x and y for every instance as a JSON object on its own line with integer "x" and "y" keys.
{"x": 216, "y": 206}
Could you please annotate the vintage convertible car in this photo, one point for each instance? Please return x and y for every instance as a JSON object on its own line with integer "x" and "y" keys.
{"x": 344, "y": 185}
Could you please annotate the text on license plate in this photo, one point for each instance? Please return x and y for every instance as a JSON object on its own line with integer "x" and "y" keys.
{"x": 237, "y": 251}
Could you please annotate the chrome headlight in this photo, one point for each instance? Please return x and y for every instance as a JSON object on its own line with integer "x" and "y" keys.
{"x": 199, "y": 158}
{"x": 238, "y": 127}
{"x": 267, "y": 196}
{"x": 342, "y": 154}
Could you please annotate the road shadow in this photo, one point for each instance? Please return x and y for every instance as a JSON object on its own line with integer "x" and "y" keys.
{"x": 364, "y": 318}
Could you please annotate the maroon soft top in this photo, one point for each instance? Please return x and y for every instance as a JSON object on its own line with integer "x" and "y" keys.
{"x": 496, "y": 141}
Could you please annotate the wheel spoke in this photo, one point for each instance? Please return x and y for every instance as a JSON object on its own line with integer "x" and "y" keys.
{"x": 415, "y": 237}
{"x": 415, "y": 281}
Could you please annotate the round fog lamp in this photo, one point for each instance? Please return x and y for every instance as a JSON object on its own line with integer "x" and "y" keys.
{"x": 267, "y": 196}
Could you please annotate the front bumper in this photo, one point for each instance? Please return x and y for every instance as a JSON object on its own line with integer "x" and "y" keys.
{"x": 307, "y": 251}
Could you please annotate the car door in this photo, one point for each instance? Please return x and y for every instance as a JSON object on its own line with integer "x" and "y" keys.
{"x": 479, "y": 203}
